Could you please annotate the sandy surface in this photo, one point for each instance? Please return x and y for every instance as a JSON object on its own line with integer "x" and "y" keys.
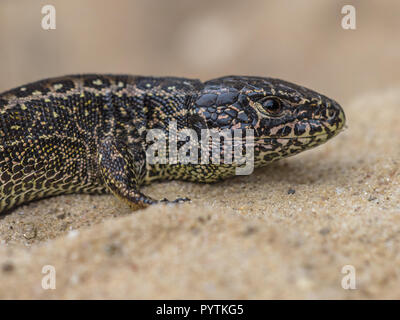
{"x": 247, "y": 237}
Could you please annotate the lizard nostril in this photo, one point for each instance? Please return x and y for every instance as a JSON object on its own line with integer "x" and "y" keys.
{"x": 331, "y": 114}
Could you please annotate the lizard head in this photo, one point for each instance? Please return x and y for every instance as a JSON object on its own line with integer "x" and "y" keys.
{"x": 286, "y": 118}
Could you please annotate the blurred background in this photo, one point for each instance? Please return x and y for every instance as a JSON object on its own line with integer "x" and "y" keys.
{"x": 301, "y": 41}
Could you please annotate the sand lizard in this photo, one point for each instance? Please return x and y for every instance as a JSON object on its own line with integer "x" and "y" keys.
{"x": 87, "y": 133}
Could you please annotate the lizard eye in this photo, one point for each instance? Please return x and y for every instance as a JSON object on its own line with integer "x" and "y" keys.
{"x": 272, "y": 105}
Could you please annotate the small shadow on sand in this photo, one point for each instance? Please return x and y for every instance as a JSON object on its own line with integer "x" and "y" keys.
{"x": 299, "y": 173}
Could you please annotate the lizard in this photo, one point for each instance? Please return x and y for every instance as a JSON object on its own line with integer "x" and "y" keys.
{"x": 88, "y": 133}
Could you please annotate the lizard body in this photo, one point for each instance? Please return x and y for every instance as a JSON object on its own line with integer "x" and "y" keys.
{"x": 88, "y": 133}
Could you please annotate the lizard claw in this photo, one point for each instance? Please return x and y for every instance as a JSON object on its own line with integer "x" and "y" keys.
{"x": 178, "y": 200}
{"x": 182, "y": 200}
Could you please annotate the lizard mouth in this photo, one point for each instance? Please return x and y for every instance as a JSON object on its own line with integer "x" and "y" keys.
{"x": 327, "y": 131}
{"x": 303, "y": 142}
{"x": 302, "y": 137}
{"x": 275, "y": 138}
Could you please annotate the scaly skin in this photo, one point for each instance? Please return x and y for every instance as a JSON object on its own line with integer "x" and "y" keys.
{"x": 87, "y": 133}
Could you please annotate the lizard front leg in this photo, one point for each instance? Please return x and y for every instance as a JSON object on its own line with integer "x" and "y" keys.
{"x": 122, "y": 171}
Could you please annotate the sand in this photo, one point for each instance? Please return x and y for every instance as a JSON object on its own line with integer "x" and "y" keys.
{"x": 284, "y": 232}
